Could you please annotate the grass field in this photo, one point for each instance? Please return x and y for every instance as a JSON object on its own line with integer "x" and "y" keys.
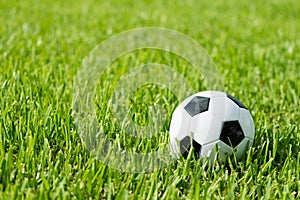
{"x": 42, "y": 45}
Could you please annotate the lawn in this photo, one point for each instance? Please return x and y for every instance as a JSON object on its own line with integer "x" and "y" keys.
{"x": 254, "y": 44}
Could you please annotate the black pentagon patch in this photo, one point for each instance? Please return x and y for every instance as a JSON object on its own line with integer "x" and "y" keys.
{"x": 197, "y": 105}
{"x": 185, "y": 146}
{"x": 232, "y": 133}
{"x": 236, "y": 101}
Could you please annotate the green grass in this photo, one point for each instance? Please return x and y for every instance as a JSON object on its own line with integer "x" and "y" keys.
{"x": 42, "y": 45}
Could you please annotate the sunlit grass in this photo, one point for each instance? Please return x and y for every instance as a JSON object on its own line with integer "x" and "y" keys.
{"x": 42, "y": 46}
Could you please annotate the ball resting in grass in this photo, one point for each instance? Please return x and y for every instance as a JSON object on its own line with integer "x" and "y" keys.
{"x": 210, "y": 122}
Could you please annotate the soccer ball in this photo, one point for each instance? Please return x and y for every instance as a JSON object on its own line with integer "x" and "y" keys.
{"x": 211, "y": 122}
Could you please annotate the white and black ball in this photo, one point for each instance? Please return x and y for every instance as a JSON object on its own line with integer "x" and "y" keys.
{"x": 211, "y": 122}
